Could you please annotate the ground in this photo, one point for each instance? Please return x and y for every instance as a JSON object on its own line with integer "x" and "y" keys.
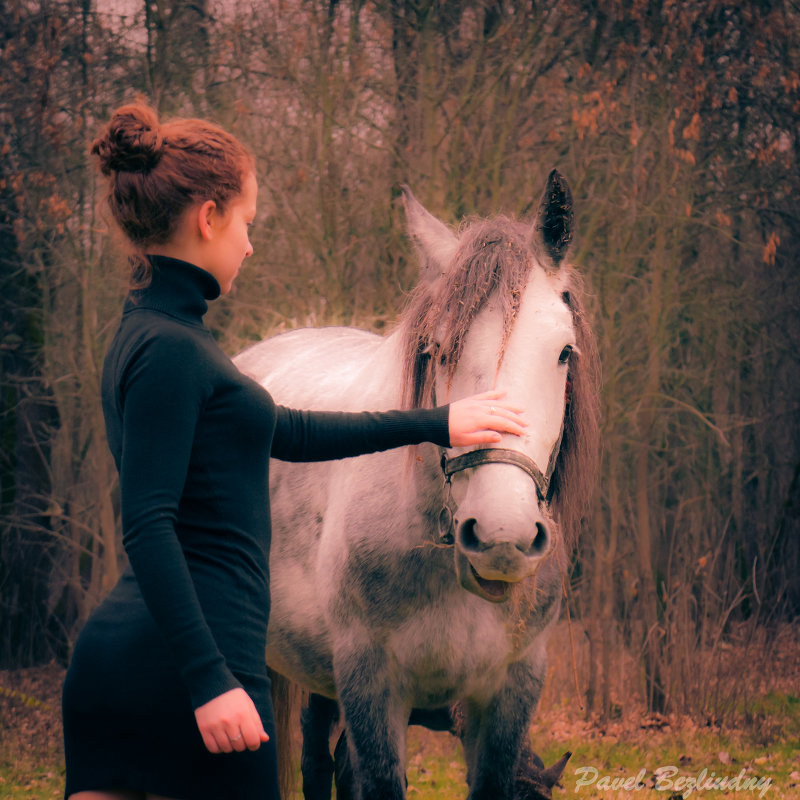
{"x": 31, "y": 756}
{"x": 632, "y": 755}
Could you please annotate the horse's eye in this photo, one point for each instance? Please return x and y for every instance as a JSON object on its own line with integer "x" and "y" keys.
{"x": 565, "y": 354}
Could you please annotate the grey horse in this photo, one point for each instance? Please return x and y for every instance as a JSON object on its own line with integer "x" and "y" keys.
{"x": 418, "y": 578}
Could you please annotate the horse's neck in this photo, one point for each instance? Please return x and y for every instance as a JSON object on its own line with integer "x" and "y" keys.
{"x": 417, "y": 466}
{"x": 381, "y": 377}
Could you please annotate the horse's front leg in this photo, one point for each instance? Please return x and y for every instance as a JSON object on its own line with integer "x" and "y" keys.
{"x": 317, "y": 765}
{"x": 495, "y": 733}
{"x": 375, "y": 721}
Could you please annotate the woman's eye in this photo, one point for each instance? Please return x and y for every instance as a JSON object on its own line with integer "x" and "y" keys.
{"x": 565, "y": 354}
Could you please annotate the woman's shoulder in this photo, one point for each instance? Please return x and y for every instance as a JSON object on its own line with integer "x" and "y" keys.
{"x": 162, "y": 346}
{"x": 143, "y": 327}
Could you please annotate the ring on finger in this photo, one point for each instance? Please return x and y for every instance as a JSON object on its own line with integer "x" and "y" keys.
{"x": 235, "y": 738}
{"x": 491, "y": 409}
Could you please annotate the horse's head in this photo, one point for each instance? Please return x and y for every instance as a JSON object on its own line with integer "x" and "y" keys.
{"x": 498, "y": 307}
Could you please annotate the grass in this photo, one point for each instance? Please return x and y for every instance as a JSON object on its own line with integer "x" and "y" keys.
{"x": 436, "y": 768}
{"x": 762, "y": 745}
{"x": 32, "y": 780}
{"x": 684, "y": 753}
{"x": 31, "y": 760}
{"x": 604, "y": 757}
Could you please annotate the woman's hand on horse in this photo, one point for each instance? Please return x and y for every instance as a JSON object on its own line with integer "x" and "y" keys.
{"x": 230, "y": 722}
{"x": 481, "y": 419}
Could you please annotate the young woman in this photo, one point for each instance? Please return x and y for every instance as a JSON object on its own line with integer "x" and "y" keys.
{"x": 167, "y": 695}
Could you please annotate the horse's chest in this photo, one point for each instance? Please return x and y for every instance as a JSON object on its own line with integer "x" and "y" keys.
{"x": 443, "y": 655}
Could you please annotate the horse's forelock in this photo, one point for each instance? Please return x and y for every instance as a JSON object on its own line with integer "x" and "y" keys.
{"x": 493, "y": 257}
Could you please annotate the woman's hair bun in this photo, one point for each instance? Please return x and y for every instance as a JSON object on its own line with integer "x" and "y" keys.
{"x": 131, "y": 142}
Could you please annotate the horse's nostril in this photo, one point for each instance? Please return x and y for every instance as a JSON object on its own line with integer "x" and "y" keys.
{"x": 540, "y": 542}
{"x": 470, "y": 541}
{"x": 467, "y": 537}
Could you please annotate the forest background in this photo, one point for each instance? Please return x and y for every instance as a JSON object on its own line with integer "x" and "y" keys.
{"x": 676, "y": 124}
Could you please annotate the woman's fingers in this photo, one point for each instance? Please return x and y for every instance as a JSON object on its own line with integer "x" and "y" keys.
{"x": 220, "y": 739}
{"x": 230, "y": 722}
{"x": 235, "y": 736}
{"x": 505, "y": 418}
{"x": 230, "y": 738}
{"x": 494, "y": 399}
{"x": 210, "y": 742}
{"x": 487, "y": 398}
{"x": 237, "y": 740}
{"x": 251, "y": 734}
{"x": 483, "y": 418}
{"x": 492, "y": 402}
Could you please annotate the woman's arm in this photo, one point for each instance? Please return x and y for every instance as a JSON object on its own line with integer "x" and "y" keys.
{"x": 324, "y": 435}
{"x": 163, "y": 389}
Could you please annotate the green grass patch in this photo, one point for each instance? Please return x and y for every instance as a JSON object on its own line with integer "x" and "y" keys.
{"x": 42, "y": 779}
{"x": 678, "y": 763}
{"x": 436, "y": 766}
{"x": 763, "y": 744}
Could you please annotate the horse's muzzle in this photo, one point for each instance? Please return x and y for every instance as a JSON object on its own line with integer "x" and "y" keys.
{"x": 490, "y": 569}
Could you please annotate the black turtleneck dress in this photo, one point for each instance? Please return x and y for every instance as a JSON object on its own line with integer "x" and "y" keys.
{"x": 187, "y": 621}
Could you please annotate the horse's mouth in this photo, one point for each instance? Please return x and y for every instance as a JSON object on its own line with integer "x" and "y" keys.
{"x": 496, "y": 591}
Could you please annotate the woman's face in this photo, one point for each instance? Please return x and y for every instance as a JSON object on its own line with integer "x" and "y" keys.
{"x": 230, "y": 243}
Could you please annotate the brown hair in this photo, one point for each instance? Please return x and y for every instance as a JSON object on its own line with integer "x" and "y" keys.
{"x": 158, "y": 170}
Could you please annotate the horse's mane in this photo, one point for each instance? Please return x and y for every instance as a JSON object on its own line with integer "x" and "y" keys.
{"x": 495, "y": 257}
{"x": 575, "y": 474}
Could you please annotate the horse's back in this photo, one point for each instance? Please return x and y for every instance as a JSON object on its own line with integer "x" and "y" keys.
{"x": 317, "y": 368}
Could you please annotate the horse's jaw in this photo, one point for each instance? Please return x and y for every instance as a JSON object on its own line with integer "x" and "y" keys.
{"x": 495, "y": 591}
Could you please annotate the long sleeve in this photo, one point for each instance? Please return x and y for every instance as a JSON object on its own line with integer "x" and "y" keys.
{"x": 163, "y": 391}
{"x": 325, "y": 435}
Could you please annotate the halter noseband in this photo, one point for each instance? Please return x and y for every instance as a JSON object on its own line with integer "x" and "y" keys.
{"x": 498, "y": 455}
{"x": 494, "y": 455}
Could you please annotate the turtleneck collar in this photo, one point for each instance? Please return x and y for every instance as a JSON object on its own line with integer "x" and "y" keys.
{"x": 178, "y": 288}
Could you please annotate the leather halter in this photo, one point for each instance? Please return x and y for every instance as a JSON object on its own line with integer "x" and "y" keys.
{"x": 497, "y": 455}
{"x": 494, "y": 455}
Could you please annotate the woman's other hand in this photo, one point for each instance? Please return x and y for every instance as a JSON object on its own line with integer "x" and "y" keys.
{"x": 481, "y": 419}
{"x": 230, "y": 722}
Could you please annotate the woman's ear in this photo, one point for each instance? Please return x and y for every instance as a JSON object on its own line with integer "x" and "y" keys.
{"x": 205, "y": 216}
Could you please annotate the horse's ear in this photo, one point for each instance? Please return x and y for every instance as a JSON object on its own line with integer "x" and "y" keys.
{"x": 552, "y": 774}
{"x": 435, "y": 242}
{"x": 552, "y": 229}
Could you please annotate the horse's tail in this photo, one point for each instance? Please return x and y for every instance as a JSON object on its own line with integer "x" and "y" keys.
{"x": 284, "y": 702}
